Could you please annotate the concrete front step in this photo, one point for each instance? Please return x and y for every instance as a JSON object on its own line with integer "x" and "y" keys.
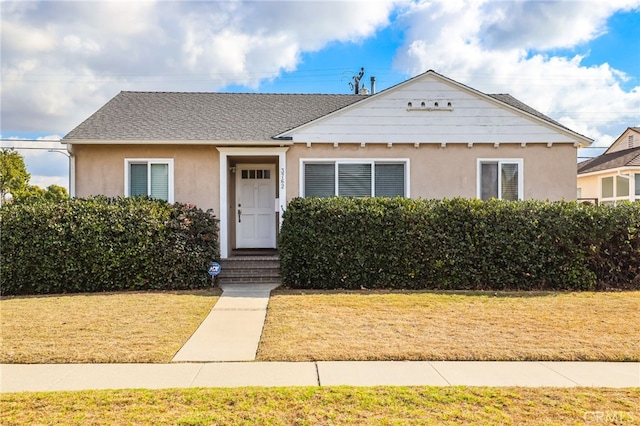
{"x": 229, "y": 273}
{"x": 250, "y": 280}
{"x": 250, "y": 269}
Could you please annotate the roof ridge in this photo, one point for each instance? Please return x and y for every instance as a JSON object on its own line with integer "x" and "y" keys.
{"x": 240, "y": 93}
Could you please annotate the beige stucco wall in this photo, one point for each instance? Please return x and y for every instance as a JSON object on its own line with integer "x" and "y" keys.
{"x": 436, "y": 172}
{"x": 99, "y": 170}
{"x": 590, "y": 186}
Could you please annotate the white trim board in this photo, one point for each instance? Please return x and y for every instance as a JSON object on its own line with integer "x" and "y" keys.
{"x": 225, "y": 153}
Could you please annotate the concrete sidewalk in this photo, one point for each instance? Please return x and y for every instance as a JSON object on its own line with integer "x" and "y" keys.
{"x": 63, "y": 377}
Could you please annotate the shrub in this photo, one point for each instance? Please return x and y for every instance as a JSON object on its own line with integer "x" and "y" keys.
{"x": 105, "y": 244}
{"x": 459, "y": 244}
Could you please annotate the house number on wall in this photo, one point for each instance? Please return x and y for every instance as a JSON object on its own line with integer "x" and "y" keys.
{"x": 282, "y": 178}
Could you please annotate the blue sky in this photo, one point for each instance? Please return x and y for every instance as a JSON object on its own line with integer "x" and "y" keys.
{"x": 578, "y": 62}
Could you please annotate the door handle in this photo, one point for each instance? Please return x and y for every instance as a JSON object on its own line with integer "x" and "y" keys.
{"x": 239, "y": 216}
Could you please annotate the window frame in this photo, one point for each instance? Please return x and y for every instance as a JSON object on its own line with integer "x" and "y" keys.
{"x": 369, "y": 161}
{"x": 149, "y": 161}
{"x": 500, "y": 161}
{"x": 616, "y": 197}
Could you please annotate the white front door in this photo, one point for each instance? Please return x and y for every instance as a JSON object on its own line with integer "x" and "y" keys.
{"x": 255, "y": 206}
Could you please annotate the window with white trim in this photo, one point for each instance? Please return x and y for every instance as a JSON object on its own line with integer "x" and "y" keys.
{"x": 616, "y": 188}
{"x": 354, "y": 178}
{"x": 500, "y": 178}
{"x": 150, "y": 177}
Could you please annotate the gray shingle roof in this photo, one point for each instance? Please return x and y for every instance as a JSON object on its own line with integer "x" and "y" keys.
{"x": 199, "y": 116}
{"x": 510, "y": 100}
{"x": 614, "y": 160}
{"x": 204, "y": 116}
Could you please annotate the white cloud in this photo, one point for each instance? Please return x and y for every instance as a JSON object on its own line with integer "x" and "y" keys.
{"x": 76, "y": 44}
{"x": 63, "y": 60}
{"x": 17, "y": 38}
{"x": 544, "y": 25}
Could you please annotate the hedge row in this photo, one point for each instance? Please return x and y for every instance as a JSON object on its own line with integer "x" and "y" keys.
{"x": 105, "y": 244}
{"x": 459, "y": 244}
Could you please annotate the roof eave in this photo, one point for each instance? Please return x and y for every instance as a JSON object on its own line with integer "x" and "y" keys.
{"x": 269, "y": 142}
{"x": 614, "y": 170}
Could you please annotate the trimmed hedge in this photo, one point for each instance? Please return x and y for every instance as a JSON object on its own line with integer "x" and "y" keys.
{"x": 459, "y": 244}
{"x": 105, "y": 244}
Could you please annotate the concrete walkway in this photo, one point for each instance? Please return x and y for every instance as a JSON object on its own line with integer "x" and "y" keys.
{"x": 231, "y": 333}
{"x": 62, "y": 377}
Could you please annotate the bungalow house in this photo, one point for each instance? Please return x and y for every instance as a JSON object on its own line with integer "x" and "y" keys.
{"x": 615, "y": 175}
{"x": 245, "y": 155}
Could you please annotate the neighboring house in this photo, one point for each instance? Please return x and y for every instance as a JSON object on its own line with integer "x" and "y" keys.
{"x": 246, "y": 155}
{"x": 615, "y": 175}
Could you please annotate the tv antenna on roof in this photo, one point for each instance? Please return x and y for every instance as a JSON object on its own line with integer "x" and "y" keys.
{"x": 355, "y": 85}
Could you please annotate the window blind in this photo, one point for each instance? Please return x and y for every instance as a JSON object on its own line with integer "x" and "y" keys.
{"x": 319, "y": 180}
{"x": 138, "y": 179}
{"x": 354, "y": 180}
{"x": 389, "y": 180}
{"x": 160, "y": 181}
{"x": 509, "y": 181}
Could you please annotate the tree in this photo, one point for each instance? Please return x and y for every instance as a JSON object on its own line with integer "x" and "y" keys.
{"x": 56, "y": 193}
{"x": 14, "y": 179}
{"x": 34, "y": 192}
{"x": 13, "y": 173}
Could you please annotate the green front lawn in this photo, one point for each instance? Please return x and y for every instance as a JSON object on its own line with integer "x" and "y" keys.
{"x": 326, "y": 406}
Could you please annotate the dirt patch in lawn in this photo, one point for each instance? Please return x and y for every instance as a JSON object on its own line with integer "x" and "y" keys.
{"x": 100, "y": 328}
{"x": 369, "y": 325}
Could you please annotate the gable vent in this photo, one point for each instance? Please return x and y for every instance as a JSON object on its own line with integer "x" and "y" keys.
{"x": 429, "y": 105}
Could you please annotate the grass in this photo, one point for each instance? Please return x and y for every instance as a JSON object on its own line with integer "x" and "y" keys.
{"x": 369, "y": 325}
{"x": 326, "y": 406}
{"x": 100, "y": 328}
{"x": 151, "y": 327}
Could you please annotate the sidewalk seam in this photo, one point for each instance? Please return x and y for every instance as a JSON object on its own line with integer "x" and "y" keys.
{"x": 195, "y": 376}
{"x": 559, "y": 373}
{"x": 317, "y": 373}
{"x": 439, "y": 373}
